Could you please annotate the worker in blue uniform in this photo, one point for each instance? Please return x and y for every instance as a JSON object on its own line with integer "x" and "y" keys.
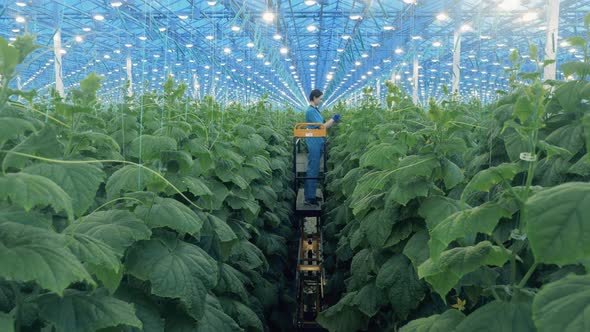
{"x": 315, "y": 145}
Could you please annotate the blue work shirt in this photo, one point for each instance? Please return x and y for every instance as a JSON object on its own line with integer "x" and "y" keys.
{"x": 312, "y": 114}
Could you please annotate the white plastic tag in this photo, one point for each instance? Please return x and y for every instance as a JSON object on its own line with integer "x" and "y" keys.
{"x": 308, "y": 134}
{"x": 527, "y": 156}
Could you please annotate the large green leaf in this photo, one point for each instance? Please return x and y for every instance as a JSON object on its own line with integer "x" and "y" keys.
{"x": 369, "y": 299}
{"x": 570, "y": 137}
{"x": 242, "y": 199}
{"x": 398, "y": 279}
{"x": 248, "y": 256}
{"x": 551, "y": 171}
{"x": 6, "y": 322}
{"x": 43, "y": 143}
{"x": 357, "y": 239}
{"x": 176, "y": 161}
{"x": 12, "y": 127}
{"x": 117, "y": 228}
{"x": 350, "y": 180}
{"x": 483, "y": 277}
{"x": 31, "y": 218}
{"x": 79, "y": 181}
{"x": 244, "y": 316}
{"x": 343, "y": 316}
{"x": 416, "y": 248}
{"x": 363, "y": 266}
{"x": 222, "y": 233}
{"x": 168, "y": 212}
{"x": 109, "y": 278}
{"x": 416, "y": 165}
{"x": 563, "y": 305}
{"x": 146, "y": 309}
{"x": 400, "y": 232}
{"x": 98, "y": 143}
{"x": 243, "y": 130}
{"x": 224, "y": 151}
{"x": 486, "y": 179}
{"x": 558, "y": 222}
{"x": 261, "y": 163}
{"x": 30, "y": 253}
{"x": 151, "y": 146}
{"x": 465, "y": 224}
{"x": 192, "y": 184}
{"x": 581, "y": 167}
{"x": 451, "y": 145}
{"x": 86, "y": 312}
{"x": 452, "y": 174}
{"x": 436, "y": 208}
{"x": 215, "y": 319}
{"x": 265, "y": 194}
{"x": 377, "y": 226}
{"x": 498, "y": 316}
{"x": 29, "y": 191}
{"x": 514, "y": 145}
{"x": 94, "y": 251}
{"x": 253, "y": 145}
{"x": 232, "y": 281}
{"x": 444, "y": 322}
{"x": 220, "y": 193}
{"x": 382, "y": 156}
{"x": 403, "y": 192}
{"x": 272, "y": 244}
{"x": 175, "y": 269}
{"x": 553, "y": 150}
{"x": 131, "y": 178}
{"x": 453, "y": 264}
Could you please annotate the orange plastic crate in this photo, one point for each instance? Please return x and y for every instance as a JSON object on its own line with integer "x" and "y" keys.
{"x": 301, "y": 130}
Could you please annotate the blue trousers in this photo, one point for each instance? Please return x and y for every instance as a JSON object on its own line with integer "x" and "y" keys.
{"x": 315, "y": 147}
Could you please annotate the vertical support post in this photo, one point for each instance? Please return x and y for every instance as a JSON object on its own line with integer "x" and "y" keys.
{"x": 378, "y": 90}
{"x": 456, "y": 74}
{"x": 551, "y": 43}
{"x": 415, "y": 80}
{"x": 59, "y": 84}
{"x": 456, "y": 60}
{"x": 19, "y": 86}
{"x": 195, "y": 86}
{"x": 129, "y": 76}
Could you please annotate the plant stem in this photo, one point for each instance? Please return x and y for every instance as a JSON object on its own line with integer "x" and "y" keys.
{"x": 31, "y": 108}
{"x": 528, "y": 274}
{"x": 495, "y": 294}
{"x": 511, "y": 190}
{"x": 512, "y": 259}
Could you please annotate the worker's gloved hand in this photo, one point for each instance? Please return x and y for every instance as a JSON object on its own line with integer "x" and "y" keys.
{"x": 336, "y": 118}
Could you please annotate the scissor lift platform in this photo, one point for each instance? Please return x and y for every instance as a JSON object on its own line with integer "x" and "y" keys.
{"x": 310, "y": 271}
{"x": 302, "y": 209}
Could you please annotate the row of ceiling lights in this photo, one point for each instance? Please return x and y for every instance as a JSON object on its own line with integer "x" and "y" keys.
{"x": 268, "y": 16}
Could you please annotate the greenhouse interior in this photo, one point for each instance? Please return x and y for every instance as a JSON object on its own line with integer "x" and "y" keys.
{"x": 290, "y": 165}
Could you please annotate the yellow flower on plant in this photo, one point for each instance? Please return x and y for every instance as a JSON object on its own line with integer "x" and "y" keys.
{"x": 460, "y": 305}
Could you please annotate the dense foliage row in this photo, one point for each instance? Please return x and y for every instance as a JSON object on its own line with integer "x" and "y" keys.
{"x": 159, "y": 214}
{"x": 462, "y": 217}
